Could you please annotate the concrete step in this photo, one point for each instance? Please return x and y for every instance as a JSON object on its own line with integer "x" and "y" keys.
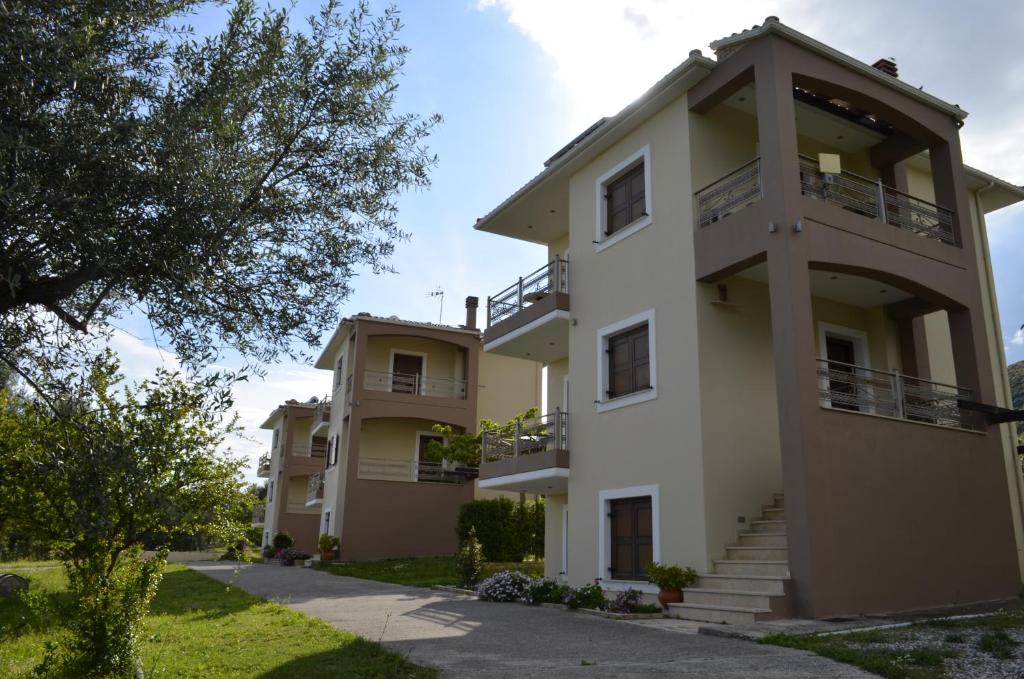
{"x": 773, "y": 584}
{"x": 770, "y": 513}
{"x": 762, "y": 540}
{"x": 752, "y": 567}
{"x": 727, "y": 597}
{"x": 730, "y": 615}
{"x": 779, "y": 499}
{"x": 769, "y": 526}
{"x": 740, "y": 553}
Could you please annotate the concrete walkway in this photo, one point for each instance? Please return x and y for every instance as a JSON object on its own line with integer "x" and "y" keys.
{"x": 464, "y": 637}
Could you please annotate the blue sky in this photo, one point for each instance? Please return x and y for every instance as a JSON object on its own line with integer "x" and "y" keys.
{"x": 517, "y": 79}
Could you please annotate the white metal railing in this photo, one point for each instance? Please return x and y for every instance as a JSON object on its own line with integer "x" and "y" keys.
{"x": 263, "y": 465}
{"x": 526, "y": 437}
{"x": 300, "y": 450}
{"x": 403, "y": 383}
{"x": 875, "y": 200}
{"x": 529, "y": 289}
{"x": 314, "y": 488}
{"x": 733, "y": 192}
{"x": 259, "y": 514}
{"x": 322, "y": 414}
{"x": 384, "y": 469}
{"x": 881, "y": 392}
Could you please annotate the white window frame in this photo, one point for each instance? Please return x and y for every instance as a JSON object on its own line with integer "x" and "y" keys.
{"x": 602, "y": 403}
{"x": 604, "y": 546}
{"x": 601, "y": 239}
{"x": 391, "y": 368}
{"x": 861, "y": 352}
{"x": 340, "y": 371}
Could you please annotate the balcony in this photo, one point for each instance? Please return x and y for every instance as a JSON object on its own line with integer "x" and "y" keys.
{"x": 530, "y": 318}
{"x": 383, "y": 469}
{"x": 263, "y": 466}
{"x": 321, "y": 417}
{"x": 315, "y": 490}
{"x": 875, "y": 200}
{"x": 531, "y": 457}
{"x": 401, "y": 383}
{"x": 739, "y": 189}
{"x": 854, "y": 388}
{"x": 259, "y": 515}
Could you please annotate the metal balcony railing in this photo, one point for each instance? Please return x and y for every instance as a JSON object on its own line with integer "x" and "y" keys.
{"x": 551, "y": 278}
{"x": 537, "y": 435}
{"x": 259, "y": 515}
{"x": 402, "y": 383}
{"x": 263, "y": 465}
{"x": 384, "y": 469}
{"x": 880, "y": 392}
{"x": 875, "y": 200}
{"x": 733, "y": 192}
{"x": 315, "y": 489}
{"x": 322, "y": 414}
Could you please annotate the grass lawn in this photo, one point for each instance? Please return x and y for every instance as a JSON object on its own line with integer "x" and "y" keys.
{"x": 199, "y": 627}
{"x": 422, "y": 572}
{"x": 939, "y": 649}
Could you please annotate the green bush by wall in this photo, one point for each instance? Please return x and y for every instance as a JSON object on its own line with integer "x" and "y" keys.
{"x": 507, "y": 531}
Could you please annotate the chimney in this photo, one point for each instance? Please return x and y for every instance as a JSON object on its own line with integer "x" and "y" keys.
{"x": 471, "y": 304}
{"x": 887, "y": 66}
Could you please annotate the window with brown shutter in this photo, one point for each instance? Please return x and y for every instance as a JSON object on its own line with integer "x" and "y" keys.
{"x": 625, "y": 199}
{"x": 629, "y": 362}
{"x": 632, "y": 537}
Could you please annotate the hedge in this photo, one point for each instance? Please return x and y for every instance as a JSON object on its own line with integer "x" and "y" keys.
{"x": 507, "y": 531}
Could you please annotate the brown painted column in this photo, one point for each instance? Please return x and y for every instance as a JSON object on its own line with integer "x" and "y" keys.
{"x": 792, "y": 327}
{"x": 914, "y": 347}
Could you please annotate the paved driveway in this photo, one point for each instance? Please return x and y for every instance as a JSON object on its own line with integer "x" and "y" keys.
{"x": 464, "y": 637}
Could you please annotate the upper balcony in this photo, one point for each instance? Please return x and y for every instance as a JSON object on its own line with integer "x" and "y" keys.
{"x": 531, "y": 457}
{"x": 530, "y": 318}
{"x": 315, "y": 490}
{"x": 263, "y": 466}
{"x": 321, "y": 419}
{"x": 414, "y": 384}
{"x": 412, "y": 471}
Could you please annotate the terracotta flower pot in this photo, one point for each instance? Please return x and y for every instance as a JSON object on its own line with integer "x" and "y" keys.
{"x": 328, "y": 554}
{"x": 666, "y": 597}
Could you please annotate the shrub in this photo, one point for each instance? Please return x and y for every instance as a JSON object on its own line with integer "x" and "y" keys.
{"x": 504, "y": 586}
{"x": 587, "y": 596}
{"x": 670, "y": 578}
{"x": 507, "y": 531}
{"x": 290, "y": 556}
{"x": 269, "y": 552}
{"x": 283, "y": 541}
{"x": 235, "y": 552}
{"x": 469, "y": 562}
{"x": 627, "y": 601}
{"x": 545, "y": 591}
{"x": 328, "y": 542}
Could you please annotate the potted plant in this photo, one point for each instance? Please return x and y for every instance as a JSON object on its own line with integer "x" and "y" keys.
{"x": 671, "y": 581}
{"x": 281, "y": 542}
{"x": 328, "y": 547}
{"x": 291, "y": 557}
{"x": 269, "y": 553}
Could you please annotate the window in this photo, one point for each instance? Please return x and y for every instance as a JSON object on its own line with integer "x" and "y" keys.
{"x": 629, "y": 362}
{"x": 332, "y": 450}
{"x": 623, "y": 199}
{"x": 626, "y": 362}
{"x": 632, "y": 537}
{"x": 327, "y": 523}
{"x": 277, "y": 438}
{"x": 270, "y": 492}
{"x": 626, "y": 200}
{"x": 339, "y": 372}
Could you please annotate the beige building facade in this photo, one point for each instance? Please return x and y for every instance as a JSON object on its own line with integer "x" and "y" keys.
{"x": 392, "y": 381}
{"x": 772, "y": 343}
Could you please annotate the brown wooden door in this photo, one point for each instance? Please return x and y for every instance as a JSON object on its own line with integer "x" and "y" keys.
{"x": 632, "y": 538}
{"x": 842, "y": 383}
{"x": 406, "y": 373}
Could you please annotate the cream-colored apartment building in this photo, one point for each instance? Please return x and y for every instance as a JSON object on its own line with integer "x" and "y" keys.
{"x": 772, "y": 344}
{"x": 392, "y": 381}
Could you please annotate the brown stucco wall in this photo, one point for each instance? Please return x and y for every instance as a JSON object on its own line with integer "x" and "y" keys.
{"x": 304, "y": 528}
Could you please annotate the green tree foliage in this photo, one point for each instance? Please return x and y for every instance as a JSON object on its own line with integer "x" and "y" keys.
{"x": 507, "y": 531}
{"x": 469, "y": 562}
{"x": 1016, "y": 371}
{"x": 226, "y": 186}
{"x": 464, "y": 448}
{"x": 111, "y": 466}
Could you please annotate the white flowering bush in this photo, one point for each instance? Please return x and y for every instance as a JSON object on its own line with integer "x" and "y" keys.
{"x": 504, "y": 586}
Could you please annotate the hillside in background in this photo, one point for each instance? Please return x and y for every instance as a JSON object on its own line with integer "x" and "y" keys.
{"x": 1016, "y": 371}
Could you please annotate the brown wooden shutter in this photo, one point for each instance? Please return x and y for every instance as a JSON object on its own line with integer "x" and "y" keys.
{"x": 632, "y": 537}
{"x": 629, "y": 362}
{"x": 626, "y": 199}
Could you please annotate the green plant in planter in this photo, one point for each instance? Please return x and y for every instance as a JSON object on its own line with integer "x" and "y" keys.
{"x": 283, "y": 541}
{"x": 670, "y": 578}
{"x": 269, "y": 552}
{"x": 328, "y": 545}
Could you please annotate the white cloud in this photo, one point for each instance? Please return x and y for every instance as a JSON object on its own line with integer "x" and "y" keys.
{"x": 1018, "y": 337}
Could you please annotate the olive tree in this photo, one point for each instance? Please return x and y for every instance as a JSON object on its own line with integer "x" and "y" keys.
{"x": 225, "y": 186}
{"x": 104, "y": 467}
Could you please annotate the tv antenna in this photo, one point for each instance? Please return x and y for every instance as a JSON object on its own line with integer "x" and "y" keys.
{"x": 438, "y": 293}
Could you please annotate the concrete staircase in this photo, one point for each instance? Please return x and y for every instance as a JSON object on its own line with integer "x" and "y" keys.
{"x": 752, "y": 582}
